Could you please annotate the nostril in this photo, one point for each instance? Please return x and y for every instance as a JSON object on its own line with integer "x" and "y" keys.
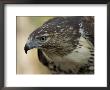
{"x": 26, "y": 48}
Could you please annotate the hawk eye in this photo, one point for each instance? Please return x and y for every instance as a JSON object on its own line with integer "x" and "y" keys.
{"x": 43, "y": 38}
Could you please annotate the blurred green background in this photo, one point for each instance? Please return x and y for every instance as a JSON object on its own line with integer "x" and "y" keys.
{"x": 28, "y": 63}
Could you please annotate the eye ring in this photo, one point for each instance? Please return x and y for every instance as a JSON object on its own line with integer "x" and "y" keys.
{"x": 43, "y": 38}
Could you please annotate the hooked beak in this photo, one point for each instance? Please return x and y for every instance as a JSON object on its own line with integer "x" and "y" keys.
{"x": 26, "y": 48}
{"x": 30, "y": 45}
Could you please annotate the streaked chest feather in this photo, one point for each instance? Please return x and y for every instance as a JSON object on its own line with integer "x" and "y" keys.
{"x": 74, "y": 60}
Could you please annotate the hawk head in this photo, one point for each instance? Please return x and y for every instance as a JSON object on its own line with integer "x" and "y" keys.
{"x": 56, "y": 36}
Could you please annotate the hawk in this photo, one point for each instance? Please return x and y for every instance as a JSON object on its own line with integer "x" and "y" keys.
{"x": 65, "y": 44}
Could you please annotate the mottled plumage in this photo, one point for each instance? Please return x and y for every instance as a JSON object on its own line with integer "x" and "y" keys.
{"x": 65, "y": 44}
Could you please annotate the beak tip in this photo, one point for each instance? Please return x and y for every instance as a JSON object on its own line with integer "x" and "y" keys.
{"x": 25, "y": 51}
{"x": 26, "y": 48}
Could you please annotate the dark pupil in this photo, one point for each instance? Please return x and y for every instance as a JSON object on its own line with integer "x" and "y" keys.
{"x": 43, "y": 38}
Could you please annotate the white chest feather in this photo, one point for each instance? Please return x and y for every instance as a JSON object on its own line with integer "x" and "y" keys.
{"x": 82, "y": 53}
